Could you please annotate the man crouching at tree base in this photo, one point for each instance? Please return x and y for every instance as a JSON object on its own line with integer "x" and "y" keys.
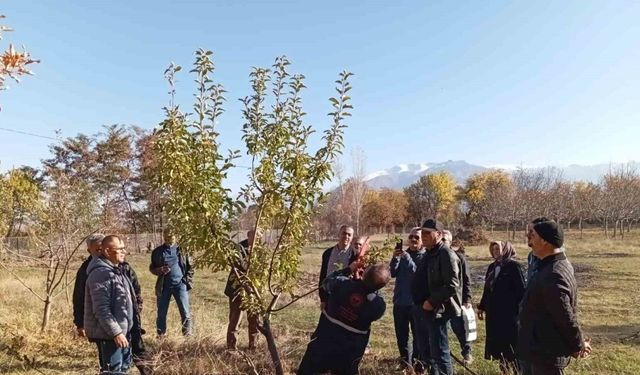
{"x": 343, "y": 332}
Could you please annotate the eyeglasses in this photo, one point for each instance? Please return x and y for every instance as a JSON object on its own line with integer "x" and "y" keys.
{"x": 414, "y": 237}
{"x": 118, "y": 249}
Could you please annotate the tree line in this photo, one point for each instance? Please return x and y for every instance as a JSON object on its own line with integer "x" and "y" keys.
{"x": 489, "y": 200}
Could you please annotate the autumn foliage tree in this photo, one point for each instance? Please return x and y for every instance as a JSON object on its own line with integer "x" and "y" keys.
{"x": 489, "y": 196}
{"x": 285, "y": 180}
{"x": 20, "y": 197}
{"x": 385, "y": 209}
{"x": 431, "y": 196}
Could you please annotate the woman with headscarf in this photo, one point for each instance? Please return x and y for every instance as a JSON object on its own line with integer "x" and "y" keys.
{"x": 503, "y": 289}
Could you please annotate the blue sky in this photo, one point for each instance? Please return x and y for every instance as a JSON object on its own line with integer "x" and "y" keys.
{"x": 493, "y": 83}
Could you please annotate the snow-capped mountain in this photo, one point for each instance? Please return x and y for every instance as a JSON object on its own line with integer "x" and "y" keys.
{"x": 403, "y": 175}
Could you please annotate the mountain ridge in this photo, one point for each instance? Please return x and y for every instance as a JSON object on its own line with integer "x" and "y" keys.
{"x": 403, "y": 175}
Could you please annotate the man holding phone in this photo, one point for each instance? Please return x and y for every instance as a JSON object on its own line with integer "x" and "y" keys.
{"x": 175, "y": 278}
{"x": 403, "y": 267}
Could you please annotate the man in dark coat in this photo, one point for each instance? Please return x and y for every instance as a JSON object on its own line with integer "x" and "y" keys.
{"x": 342, "y": 336}
{"x": 443, "y": 295}
{"x": 232, "y": 291}
{"x": 175, "y": 278}
{"x": 93, "y": 248}
{"x": 549, "y": 333}
{"x": 138, "y": 349}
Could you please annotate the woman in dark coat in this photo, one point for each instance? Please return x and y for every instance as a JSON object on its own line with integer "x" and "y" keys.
{"x": 503, "y": 289}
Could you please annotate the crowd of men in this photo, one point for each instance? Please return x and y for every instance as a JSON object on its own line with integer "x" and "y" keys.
{"x": 531, "y": 321}
{"x": 532, "y": 327}
{"x": 107, "y": 300}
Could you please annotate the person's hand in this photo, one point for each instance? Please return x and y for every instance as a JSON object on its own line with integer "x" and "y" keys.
{"x": 81, "y": 332}
{"x": 165, "y": 270}
{"x": 121, "y": 341}
{"x": 467, "y": 305}
{"x": 398, "y": 252}
{"x": 480, "y": 314}
{"x": 585, "y": 352}
{"x": 427, "y": 306}
{"x": 355, "y": 265}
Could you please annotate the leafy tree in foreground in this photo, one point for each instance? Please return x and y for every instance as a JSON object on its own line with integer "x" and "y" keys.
{"x": 285, "y": 182}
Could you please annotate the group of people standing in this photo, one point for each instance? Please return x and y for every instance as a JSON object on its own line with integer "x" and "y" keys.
{"x": 530, "y": 316}
{"x": 531, "y": 323}
{"x": 107, "y": 300}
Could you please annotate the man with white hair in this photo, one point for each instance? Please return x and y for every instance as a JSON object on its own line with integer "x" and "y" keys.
{"x": 93, "y": 248}
{"x": 457, "y": 322}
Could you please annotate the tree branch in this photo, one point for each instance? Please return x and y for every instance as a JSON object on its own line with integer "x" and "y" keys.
{"x": 294, "y": 300}
{"x": 21, "y": 282}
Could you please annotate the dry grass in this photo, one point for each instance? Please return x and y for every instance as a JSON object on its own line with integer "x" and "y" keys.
{"x": 608, "y": 272}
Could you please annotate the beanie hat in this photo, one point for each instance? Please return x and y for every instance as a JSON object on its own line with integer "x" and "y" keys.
{"x": 550, "y": 231}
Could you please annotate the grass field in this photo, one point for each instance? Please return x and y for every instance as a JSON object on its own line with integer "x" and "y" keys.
{"x": 608, "y": 274}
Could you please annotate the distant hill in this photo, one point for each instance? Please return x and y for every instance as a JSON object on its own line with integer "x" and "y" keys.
{"x": 403, "y": 175}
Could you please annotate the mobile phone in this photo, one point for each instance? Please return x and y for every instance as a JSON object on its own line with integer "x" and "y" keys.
{"x": 399, "y": 245}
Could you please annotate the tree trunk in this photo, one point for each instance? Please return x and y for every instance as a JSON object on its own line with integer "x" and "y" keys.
{"x": 580, "y": 226}
{"x": 615, "y": 228}
{"x": 46, "y": 314}
{"x": 265, "y": 329}
{"x": 622, "y": 229}
{"x": 606, "y": 228}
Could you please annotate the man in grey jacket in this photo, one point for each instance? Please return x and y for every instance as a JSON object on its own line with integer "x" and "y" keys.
{"x": 109, "y": 306}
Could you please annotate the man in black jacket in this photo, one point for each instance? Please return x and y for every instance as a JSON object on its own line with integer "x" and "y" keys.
{"x": 93, "y": 247}
{"x": 549, "y": 333}
{"x": 232, "y": 290}
{"x": 138, "y": 349}
{"x": 442, "y": 298}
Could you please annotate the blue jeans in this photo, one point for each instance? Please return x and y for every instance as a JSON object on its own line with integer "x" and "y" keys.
{"x": 181, "y": 296}
{"x": 439, "y": 345}
{"x": 457, "y": 326}
{"x": 403, "y": 321}
{"x": 113, "y": 360}
{"x": 421, "y": 356}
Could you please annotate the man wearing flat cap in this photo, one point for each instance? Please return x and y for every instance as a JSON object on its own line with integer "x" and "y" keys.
{"x": 437, "y": 288}
{"x": 549, "y": 333}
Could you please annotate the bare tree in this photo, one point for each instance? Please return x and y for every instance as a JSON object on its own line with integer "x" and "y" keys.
{"x": 359, "y": 189}
{"x": 67, "y": 213}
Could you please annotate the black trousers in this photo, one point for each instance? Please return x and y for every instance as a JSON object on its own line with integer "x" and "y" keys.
{"x": 339, "y": 353}
{"x": 138, "y": 349}
{"x": 546, "y": 369}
